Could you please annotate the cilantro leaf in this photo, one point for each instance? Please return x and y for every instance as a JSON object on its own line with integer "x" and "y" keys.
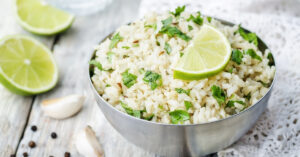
{"x": 126, "y": 47}
{"x": 188, "y": 104}
{"x": 208, "y": 19}
{"x": 157, "y": 43}
{"x": 96, "y": 64}
{"x": 253, "y": 54}
{"x": 237, "y": 56}
{"x": 178, "y": 11}
{"x": 230, "y": 103}
{"x": 110, "y": 55}
{"x": 168, "y": 48}
{"x": 180, "y": 91}
{"x": 179, "y": 116}
{"x": 250, "y": 37}
{"x": 153, "y": 79}
{"x": 128, "y": 79}
{"x": 154, "y": 26}
{"x": 248, "y": 96}
{"x": 136, "y": 113}
{"x": 271, "y": 59}
{"x": 230, "y": 70}
{"x": 149, "y": 117}
{"x": 114, "y": 40}
{"x": 198, "y": 19}
{"x": 181, "y": 54}
{"x": 219, "y": 94}
{"x": 172, "y": 31}
{"x": 190, "y": 27}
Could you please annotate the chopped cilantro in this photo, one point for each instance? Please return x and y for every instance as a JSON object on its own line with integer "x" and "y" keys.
{"x": 108, "y": 85}
{"x": 271, "y": 59}
{"x": 149, "y": 117}
{"x": 190, "y": 27}
{"x": 180, "y": 91}
{"x": 110, "y": 55}
{"x": 198, "y": 19}
{"x": 179, "y": 116}
{"x": 114, "y": 40}
{"x": 128, "y": 79}
{"x": 96, "y": 64}
{"x": 142, "y": 70}
{"x": 136, "y": 45}
{"x": 168, "y": 48}
{"x": 161, "y": 107}
{"x": 154, "y": 26}
{"x": 230, "y": 103}
{"x": 253, "y": 54}
{"x": 248, "y": 96}
{"x": 126, "y": 47}
{"x": 153, "y": 79}
{"x": 172, "y": 31}
{"x": 135, "y": 113}
{"x": 250, "y": 37}
{"x": 181, "y": 54}
{"x": 264, "y": 84}
{"x": 230, "y": 70}
{"x": 157, "y": 43}
{"x": 237, "y": 56}
{"x": 188, "y": 104}
{"x": 219, "y": 94}
{"x": 178, "y": 11}
{"x": 208, "y": 19}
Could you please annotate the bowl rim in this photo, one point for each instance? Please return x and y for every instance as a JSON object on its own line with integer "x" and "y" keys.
{"x": 261, "y": 44}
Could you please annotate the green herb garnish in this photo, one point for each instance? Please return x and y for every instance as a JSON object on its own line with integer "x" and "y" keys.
{"x": 114, "y": 40}
{"x": 153, "y": 79}
{"x": 178, "y": 11}
{"x": 96, "y": 64}
{"x": 230, "y": 70}
{"x": 230, "y": 103}
{"x": 198, "y": 19}
{"x": 219, "y": 94}
{"x": 248, "y": 96}
{"x": 109, "y": 56}
{"x": 253, "y": 54}
{"x": 188, "y": 104}
{"x": 190, "y": 27}
{"x": 126, "y": 47}
{"x": 264, "y": 84}
{"x": 149, "y": 117}
{"x": 208, "y": 19}
{"x": 136, "y": 45}
{"x": 108, "y": 85}
{"x": 136, "y": 113}
{"x": 179, "y": 116}
{"x": 154, "y": 26}
{"x": 181, "y": 54}
{"x": 168, "y": 48}
{"x": 237, "y": 56}
{"x": 157, "y": 43}
{"x": 128, "y": 79}
{"x": 172, "y": 31}
{"x": 180, "y": 91}
{"x": 250, "y": 37}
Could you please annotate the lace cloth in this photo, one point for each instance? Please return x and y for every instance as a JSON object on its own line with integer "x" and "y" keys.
{"x": 277, "y": 22}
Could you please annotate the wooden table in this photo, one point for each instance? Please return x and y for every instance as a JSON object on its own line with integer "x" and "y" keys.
{"x": 71, "y": 51}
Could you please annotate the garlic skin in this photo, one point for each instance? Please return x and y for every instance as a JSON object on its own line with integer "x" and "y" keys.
{"x": 87, "y": 144}
{"x": 61, "y": 108}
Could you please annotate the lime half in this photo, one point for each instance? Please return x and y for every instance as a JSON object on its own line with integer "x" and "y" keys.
{"x": 39, "y": 18}
{"x": 208, "y": 54}
{"x": 26, "y": 66}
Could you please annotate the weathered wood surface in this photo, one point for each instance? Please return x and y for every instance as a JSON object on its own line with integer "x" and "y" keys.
{"x": 14, "y": 109}
{"x": 72, "y": 51}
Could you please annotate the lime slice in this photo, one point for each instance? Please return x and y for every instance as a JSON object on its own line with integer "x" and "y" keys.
{"x": 26, "y": 66}
{"x": 39, "y": 18}
{"x": 208, "y": 54}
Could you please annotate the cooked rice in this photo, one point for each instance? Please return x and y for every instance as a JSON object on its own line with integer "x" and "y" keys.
{"x": 245, "y": 78}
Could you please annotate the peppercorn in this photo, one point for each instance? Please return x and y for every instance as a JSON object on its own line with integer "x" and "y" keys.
{"x": 25, "y": 154}
{"x": 67, "y": 154}
{"x": 34, "y": 128}
{"x": 31, "y": 144}
{"x": 53, "y": 135}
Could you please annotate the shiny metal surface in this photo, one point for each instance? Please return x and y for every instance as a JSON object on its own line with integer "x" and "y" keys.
{"x": 183, "y": 140}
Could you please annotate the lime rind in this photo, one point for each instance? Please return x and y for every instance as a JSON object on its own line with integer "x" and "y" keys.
{"x": 180, "y": 73}
{"x": 42, "y": 31}
{"x": 21, "y": 90}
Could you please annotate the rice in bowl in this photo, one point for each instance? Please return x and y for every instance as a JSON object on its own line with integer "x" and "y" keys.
{"x": 133, "y": 71}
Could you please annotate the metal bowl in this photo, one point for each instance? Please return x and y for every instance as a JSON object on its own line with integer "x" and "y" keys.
{"x": 183, "y": 140}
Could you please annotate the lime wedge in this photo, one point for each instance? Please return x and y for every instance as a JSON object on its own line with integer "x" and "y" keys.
{"x": 26, "y": 66}
{"x": 39, "y": 18}
{"x": 208, "y": 54}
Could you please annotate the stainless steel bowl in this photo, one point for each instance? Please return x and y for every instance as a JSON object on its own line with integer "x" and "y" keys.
{"x": 183, "y": 140}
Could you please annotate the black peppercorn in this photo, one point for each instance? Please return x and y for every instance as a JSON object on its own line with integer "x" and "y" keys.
{"x": 13, "y": 155}
{"x": 33, "y": 128}
{"x": 31, "y": 144}
{"x": 25, "y": 154}
{"x": 53, "y": 135}
{"x": 67, "y": 154}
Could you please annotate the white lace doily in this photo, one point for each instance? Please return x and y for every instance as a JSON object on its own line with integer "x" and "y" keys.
{"x": 277, "y": 22}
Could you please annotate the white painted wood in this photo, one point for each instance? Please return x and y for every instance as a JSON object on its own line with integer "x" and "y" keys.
{"x": 14, "y": 109}
{"x": 72, "y": 52}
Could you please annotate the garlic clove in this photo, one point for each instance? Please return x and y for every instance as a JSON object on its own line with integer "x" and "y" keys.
{"x": 87, "y": 144}
{"x": 64, "y": 107}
